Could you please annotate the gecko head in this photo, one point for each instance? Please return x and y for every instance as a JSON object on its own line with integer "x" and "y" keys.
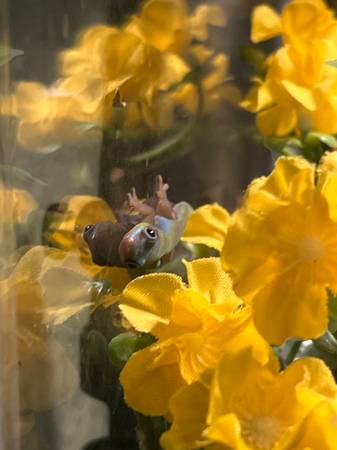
{"x": 103, "y": 239}
{"x": 140, "y": 246}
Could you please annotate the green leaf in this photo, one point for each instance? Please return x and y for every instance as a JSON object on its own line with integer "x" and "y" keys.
{"x": 332, "y": 310}
{"x": 122, "y": 346}
{"x": 289, "y": 145}
{"x": 88, "y": 126}
{"x": 18, "y": 174}
{"x": 170, "y": 144}
{"x": 7, "y": 54}
{"x": 255, "y": 57}
{"x": 332, "y": 63}
{"x": 326, "y": 343}
{"x": 314, "y": 139}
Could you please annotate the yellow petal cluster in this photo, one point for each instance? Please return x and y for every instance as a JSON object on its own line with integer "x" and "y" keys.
{"x": 126, "y": 76}
{"x": 16, "y": 205}
{"x": 299, "y": 90}
{"x": 281, "y": 248}
{"x": 249, "y": 406}
{"x": 194, "y": 325}
{"x": 42, "y": 292}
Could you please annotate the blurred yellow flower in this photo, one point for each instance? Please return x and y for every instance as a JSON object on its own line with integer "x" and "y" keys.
{"x": 169, "y": 25}
{"x": 124, "y": 77}
{"x": 215, "y": 86}
{"x": 294, "y": 96}
{"x": 249, "y": 406}
{"x": 281, "y": 248}
{"x": 121, "y": 61}
{"x": 302, "y": 23}
{"x": 299, "y": 90}
{"x": 40, "y": 294}
{"x": 44, "y": 115}
{"x": 208, "y": 226}
{"x": 16, "y": 205}
{"x": 194, "y": 325}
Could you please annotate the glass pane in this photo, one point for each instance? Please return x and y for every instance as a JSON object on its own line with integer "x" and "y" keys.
{"x": 97, "y": 98}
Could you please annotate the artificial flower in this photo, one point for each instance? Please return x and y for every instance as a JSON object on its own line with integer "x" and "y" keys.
{"x": 299, "y": 90}
{"x": 214, "y": 87}
{"x": 194, "y": 325}
{"x": 302, "y": 23}
{"x": 169, "y": 26}
{"x": 294, "y": 97}
{"x": 122, "y": 62}
{"x": 16, "y": 205}
{"x": 45, "y": 115}
{"x": 280, "y": 248}
{"x": 208, "y": 226}
{"x": 247, "y": 406}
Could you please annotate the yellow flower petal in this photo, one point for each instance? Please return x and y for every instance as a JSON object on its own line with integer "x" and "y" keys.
{"x": 207, "y": 225}
{"x": 189, "y": 405}
{"x": 207, "y": 276}
{"x": 147, "y": 300}
{"x": 226, "y": 431}
{"x": 301, "y": 94}
{"x": 204, "y": 15}
{"x": 147, "y": 387}
{"x": 278, "y": 120}
{"x": 266, "y": 23}
{"x": 317, "y": 431}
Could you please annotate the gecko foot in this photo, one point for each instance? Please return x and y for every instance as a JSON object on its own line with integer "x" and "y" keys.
{"x": 161, "y": 188}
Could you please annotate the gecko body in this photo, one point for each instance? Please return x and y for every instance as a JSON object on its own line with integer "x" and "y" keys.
{"x": 143, "y": 236}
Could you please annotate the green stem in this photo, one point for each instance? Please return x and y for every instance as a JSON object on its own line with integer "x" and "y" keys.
{"x": 292, "y": 352}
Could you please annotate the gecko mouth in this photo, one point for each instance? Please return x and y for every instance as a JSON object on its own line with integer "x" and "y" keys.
{"x": 131, "y": 264}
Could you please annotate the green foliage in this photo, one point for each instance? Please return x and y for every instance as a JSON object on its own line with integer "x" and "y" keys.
{"x": 7, "y": 54}
{"x": 312, "y": 146}
{"x": 122, "y": 346}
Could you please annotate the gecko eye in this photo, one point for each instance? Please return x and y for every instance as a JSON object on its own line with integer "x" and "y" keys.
{"x": 87, "y": 228}
{"x": 151, "y": 233}
{"x": 88, "y": 231}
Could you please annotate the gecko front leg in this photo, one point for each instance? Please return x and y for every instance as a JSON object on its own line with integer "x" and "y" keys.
{"x": 136, "y": 206}
{"x": 163, "y": 207}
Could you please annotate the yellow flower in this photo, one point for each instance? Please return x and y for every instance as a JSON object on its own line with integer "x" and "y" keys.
{"x": 194, "y": 325}
{"x": 299, "y": 90}
{"x": 44, "y": 115}
{"x": 16, "y": 205}
{"x": 45, "y": 293}
{"x": 281, "y": 248}
{"x": 108, "y": 59}
{"x": 207, "y": 225}
{"x": 303, "y": 22}
{"x": 215, "y": 86}
{"x": 168, "y": 26}
{"x": 295, "y": 96}
{"x": 249, "y": 406}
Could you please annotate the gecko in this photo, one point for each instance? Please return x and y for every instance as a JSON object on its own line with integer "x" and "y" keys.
{"x": 145, "y": 234}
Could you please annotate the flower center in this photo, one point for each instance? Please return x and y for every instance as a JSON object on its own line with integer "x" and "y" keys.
{"x": 262, "y": 431}
{"x": 310, "y": 249}
{"x": 192, "y": 342}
